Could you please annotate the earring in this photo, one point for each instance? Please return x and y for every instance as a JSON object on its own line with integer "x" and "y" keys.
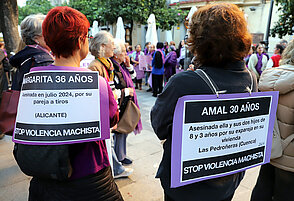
{"x": 37, "y": 42}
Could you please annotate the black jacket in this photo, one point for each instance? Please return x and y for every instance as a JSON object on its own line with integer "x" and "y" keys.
{"x": 24, "y": 60}
{"x": 233, "y": 78}
{"x": 4, "y": 68}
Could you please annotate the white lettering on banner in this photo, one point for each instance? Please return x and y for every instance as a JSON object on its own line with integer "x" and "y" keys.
{"x": 56, "y": 133}
{"x": 249, "y": 107}
{"x": 38, "y": 79}
{"x": 60, "y": 107}
{"x": 78, "y": 78}
{"x": 217, "y": 110}
{"x": 214, "y": 110}
{"x": 219, "y": 136}
{"x": 222, "y": 164}
{"x": 35, "y": 79}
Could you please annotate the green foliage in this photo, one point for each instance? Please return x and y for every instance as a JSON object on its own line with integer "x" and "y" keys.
{"x": 107, "y": 11}
{"x": 34, "y": 7}
{"x": 91, "y": 8}
{"x": 167, "y": 18}
{"x": 285, "y": 24}
{"x": 130, "y": 10}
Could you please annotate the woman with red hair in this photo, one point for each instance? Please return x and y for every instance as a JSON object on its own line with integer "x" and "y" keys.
{"x": 65, "y": 31}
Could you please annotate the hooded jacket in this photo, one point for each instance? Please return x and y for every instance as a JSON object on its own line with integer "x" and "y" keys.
{"x": 24, "y": 60}
{"x": 282, "y": 79}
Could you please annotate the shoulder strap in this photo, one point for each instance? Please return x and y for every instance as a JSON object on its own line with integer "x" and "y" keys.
{"x": 214, "y": 87}
{"x": 208, "y": 81}
{"x": 287, "y": 141}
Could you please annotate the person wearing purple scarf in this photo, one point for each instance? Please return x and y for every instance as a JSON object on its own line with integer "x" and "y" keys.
{"x": 146, "y": 50}
{"x": 257, "y": 62}
{"x": 170, "y": 63}
{"x": 124, "y": 89}
{"x": 139, "y": 72}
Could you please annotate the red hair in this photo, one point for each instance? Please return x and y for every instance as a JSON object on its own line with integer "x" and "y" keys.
{"x": 62, "y": 28}
{"x": 219, "y": 34}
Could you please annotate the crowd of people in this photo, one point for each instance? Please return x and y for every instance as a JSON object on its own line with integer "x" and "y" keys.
{"x": 166, "y": 60}
{"x": 231, "y": 61}
{"x": 258, "y": 60}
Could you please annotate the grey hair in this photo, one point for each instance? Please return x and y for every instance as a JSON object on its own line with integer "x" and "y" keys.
{"x": 102, "y": 37}
{"x": 288, "y": 54}
{"x": 31, "y": 27}
{"x": 119, "y": 44}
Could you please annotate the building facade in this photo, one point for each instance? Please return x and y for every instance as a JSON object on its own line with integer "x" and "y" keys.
{"x": 256, "y": 12}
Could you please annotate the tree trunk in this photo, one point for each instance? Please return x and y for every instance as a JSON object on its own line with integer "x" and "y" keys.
{"x": 8, "y": 23}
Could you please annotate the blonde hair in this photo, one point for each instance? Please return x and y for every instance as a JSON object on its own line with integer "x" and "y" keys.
{"x": 288, "y": 54}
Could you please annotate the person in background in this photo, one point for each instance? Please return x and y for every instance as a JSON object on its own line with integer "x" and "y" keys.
{"x": 130, "y": 50}
{"x": 165, "y": 47}
{"x": 172, "y": 43}
{"x": 151, "y": 50}
{"x": 146, "y": 48}
{"x": 284, "y": 43}
{"x": 170, "y": 63}
{"x": 222, "y": 61}
{"x": 36, "y": 51}
{"x": 130, "y": 68}
{"x": 251, "y": 51}
{"x": 257, "y": 61}
{"x": 181, "y": 53}
{"x": 101, "y": 47}
{"x": 276, "y": 179}
{"x": 126, "y": 46}
{"x": 264, "y": 52}
{"x": 91, "y": 177}
{"x": 135, "y": 58}
{"x": 146, "y": 52}
{"x": 157, "y": 69}
{"x": 125, "y": 91}
{"x": 275, "y": 59}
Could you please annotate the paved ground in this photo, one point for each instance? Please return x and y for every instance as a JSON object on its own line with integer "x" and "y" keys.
{"x": 146, "y": 151}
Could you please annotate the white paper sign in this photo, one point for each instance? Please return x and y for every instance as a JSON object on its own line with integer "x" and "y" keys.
{"x": 58, "y": 107}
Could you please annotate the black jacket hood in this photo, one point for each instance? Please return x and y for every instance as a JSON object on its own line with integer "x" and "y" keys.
{"x": 29, "y": 52}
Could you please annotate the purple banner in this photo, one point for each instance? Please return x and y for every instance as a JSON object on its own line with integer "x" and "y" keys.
{"x": 214, "y": 137}
{"x": 62, "y": 105}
